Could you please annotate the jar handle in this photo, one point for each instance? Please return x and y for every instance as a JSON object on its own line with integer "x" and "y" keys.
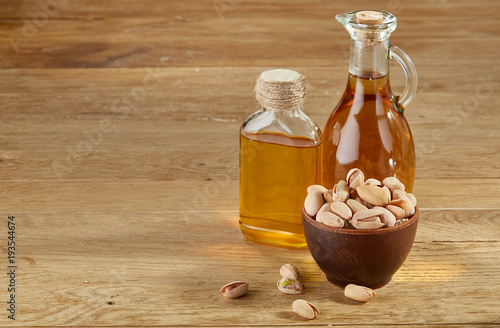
{"x": 402, "y": 58}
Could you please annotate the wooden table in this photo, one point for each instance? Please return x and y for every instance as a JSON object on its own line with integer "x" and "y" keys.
{"x": 119, "y": 160}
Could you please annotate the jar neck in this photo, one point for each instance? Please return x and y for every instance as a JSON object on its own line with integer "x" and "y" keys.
{"x": 369, "y": 57}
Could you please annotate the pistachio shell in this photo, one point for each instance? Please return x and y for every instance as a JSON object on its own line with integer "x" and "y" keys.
{"x": 393, "y": 183}
{"x": 341, "y": 191}
{"x": 234, "y": 289}
{"x": 412, "y": 198}
{"x": 324, "y": 208}
{"x": 373, "y": 182}
{"x": 388, "y": 218}
{"x": 359, "y": 293}
{"x": 290, "y": 272}
{"x": 355, "y": 206}
{"x": 398, "y": 212}
{"x": 327, "y": 196}
{"x": 368, "y": 219}
{"x": 373, "y": 195}
{"x": 408, "y": 207}
{"x": 355, "y": 178}
{"x": 341, "y": 209}
{"x": 289, "y": 286}
{"x": 314, "y": 201}
{"x": 330, "y": 219}
{"x": 305, "y": 309}
{"x": 387, "y": 192}
{"x": 316, "y": 187}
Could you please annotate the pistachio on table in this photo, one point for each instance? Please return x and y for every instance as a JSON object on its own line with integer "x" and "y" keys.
{"x": 359, "y": 293}
{"x": 234, "y": 289}
{"x": 340, "y": 206}
{"x": 288, "y": 286}
{"x": 305, "y": 309}
{"x": 289, "y": 271}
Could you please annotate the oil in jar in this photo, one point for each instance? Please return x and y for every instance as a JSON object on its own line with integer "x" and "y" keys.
{"x": 367, "y": 131}
{"x": 275, "y": 171}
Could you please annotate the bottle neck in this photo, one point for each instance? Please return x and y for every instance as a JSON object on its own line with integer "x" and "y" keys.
{"x": 369, "y": 57}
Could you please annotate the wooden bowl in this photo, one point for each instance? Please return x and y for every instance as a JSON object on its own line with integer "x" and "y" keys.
{"x": 362, "y": 257}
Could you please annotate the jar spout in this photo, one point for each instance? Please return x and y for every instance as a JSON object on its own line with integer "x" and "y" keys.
{"x": 362, "y": 24}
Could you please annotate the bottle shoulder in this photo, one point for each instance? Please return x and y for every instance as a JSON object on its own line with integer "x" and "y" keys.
{"x": 295, "y": 124}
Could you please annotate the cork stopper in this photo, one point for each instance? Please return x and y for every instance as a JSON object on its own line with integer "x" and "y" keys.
{"x": 369, "y": 17}
{"x": 280, "y": 89}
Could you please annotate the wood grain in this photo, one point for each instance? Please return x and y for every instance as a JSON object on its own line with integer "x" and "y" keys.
{"x": 119, "y": 159}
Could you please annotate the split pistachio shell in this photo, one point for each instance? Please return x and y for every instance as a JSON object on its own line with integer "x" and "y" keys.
{"x": 341, "y": 191}
{"x": 409, "y": 207}
{"x": 288, "y": 286}
{"x": 330, "y": 219}
{"x": 324, "y": 208}
{"x": 314, "y": 201}
{"x": 398, "y": 212}
{"x": 341, "y": 209}
{"x": 373, "y": 182}
{"x": 355, "y": 178}
{"x": 412, "y": 198}
{"x": 235, "y": 289}
{"x": 370, "y": 219}
{"x": 373, "y": 195}
{"x": 327, "y": 196}
{"x": 359, "y": 293}
{"x": 387, "y": 192}
{"x": 388, "y": 218}
{"x": 355, "y": 206}
{"x": 305, "y": 309}
{"x": 393, "y": 183}
{"x": 316, "y": 187}
{"x": 289, "y": 271}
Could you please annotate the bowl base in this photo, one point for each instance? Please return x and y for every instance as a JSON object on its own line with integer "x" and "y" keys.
{"x": 343, "y": 283}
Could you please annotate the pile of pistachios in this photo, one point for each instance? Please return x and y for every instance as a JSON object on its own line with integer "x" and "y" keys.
{"x": 290, "y": 284}
{"x": 356, "y": 203}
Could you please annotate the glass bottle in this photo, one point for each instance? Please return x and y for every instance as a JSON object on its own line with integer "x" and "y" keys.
{"x": 279, "y": 149}
{"x": 367, "y": 128}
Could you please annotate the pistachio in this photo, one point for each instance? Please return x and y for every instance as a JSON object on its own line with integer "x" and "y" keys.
{"x": 387, "y": 192}
{"x": 288, "y": 286}
{"x": 393, "y": 183}
{"x": 408, "y": 207}
{"x": 324, "y": 208}
{"x": 412, "y": 198}
{"x": 235, "y": 289}
{"x": 341, "y": 191}
{"x": 373, "y": 195}
{"x": 388, "y": 218}
{"x": 398, "y": 212}
{"x": 341, "y": 209}
{"x": 359, "y": 293}
{"x": 314, "y": 201}
{"x": 405, "y": 205}
{"x": 316, "y": 187}
{"x": 355, "y": 206}
{"x": 370, "y": 219}
{"x": 373, "y": 182}
{"x": 289, "y": 271}
{"x": 330, "y": 219}
{"x": 355, "y": 178}
{"x": 305, "y": 309}
{"x": 327, "y": 196}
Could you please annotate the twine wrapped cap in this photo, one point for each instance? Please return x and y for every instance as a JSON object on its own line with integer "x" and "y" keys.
{"x": 280, "y": 89}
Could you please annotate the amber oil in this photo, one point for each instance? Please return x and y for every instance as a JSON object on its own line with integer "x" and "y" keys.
{"x": 275, "y": 171}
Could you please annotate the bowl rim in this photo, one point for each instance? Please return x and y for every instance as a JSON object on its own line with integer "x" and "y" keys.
{"x": 384, "y": 230}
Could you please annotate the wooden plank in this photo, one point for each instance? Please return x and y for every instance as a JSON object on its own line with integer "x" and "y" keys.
{"x": 165, "y": 269}
{"x": 234, "y": 34}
